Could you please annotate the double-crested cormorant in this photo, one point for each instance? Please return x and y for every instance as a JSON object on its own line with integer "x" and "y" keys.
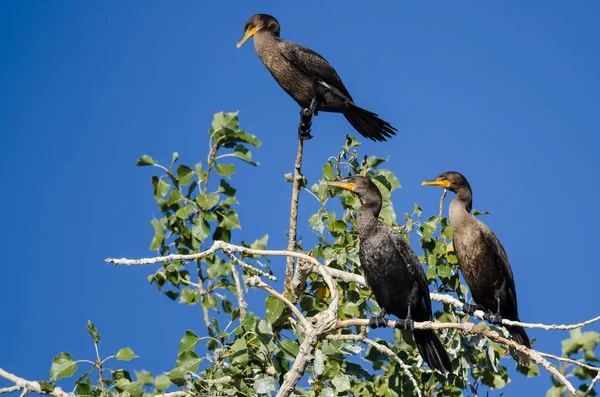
{"x": 482, "y": 260}
{"x": 310, "y": 80}
{"x": 393, "y": 272}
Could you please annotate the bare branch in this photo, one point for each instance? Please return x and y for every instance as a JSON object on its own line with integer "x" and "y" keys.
{"x": 570, "y": 361}
{"x": 477, "y": 329}
{"x": 240, "y": 293}
{"x": 407, "y": 370}
{"x": 22, "y": 384}
{"x": 594, "y": 381}
{"x": 9, "y": 389}
{"x": 442, "y": 203}
{"x": 255, "y": 281}
{"x": 297, "y": 182}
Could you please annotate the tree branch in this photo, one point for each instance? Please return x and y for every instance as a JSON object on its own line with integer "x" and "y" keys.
{"x": 240, "y": 293}
{"x": 477, "y": 329}
{"x": 297, "y": 182}
{"x": 255, "y": 281}
{"x": 22, "y": 384}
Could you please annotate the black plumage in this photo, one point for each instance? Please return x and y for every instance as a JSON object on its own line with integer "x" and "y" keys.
{"x": 482, "y": 260}
{"x": 393, "y": 272}
{"x": 308, "y": 78}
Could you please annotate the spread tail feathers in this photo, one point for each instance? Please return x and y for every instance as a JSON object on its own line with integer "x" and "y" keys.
{"x": 520, "y": 336}
{"x": 432, "y": 350}
{"x": 369, "y": 124}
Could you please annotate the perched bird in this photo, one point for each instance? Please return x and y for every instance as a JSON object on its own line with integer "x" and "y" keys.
{"x": 393, "y": 272}
{"x": 482, "y": 260}
{"x": 308, "y": 78}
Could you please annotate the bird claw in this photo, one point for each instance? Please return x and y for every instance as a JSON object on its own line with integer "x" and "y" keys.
{"x": 304, "y": 131}
{"x": 377, "y": 322}
{"x": 469, "y": 308}
{"x": 405, "y": 325}
{"x": 493, "y": 318}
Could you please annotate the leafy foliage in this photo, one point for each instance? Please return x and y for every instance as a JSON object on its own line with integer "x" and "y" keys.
{"x": 250, "y": 355}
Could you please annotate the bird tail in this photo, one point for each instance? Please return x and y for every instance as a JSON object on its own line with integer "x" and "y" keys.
{"x": 369, "y": 124}
{"x": 520, "y": 336}
{"x": 432, "y": 350}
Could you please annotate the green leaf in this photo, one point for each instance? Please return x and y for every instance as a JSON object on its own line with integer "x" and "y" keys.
{"x": 207, "y": 201}
{"x": 274, "y": 308}
{"x": 225, "y": 120}
{"x": 260, "y": 244}
{"x": 125, "y": 354}
{"x": 175, "y": 157}
{"x": 239, "y": 352}
{"x": 290, "y": 347}
{"x": 161, "y": 187}
{"x": 93, "y": 331}
{"x": 47, "y": 387}
{"x": 178, "y": 375}
{"x": 264, "y": 332}
{"x": 162, "y": 382}
{"x": 63, "y": 366}
{"x": 229, "y": 220}
{"x": 200, "y": 230}
{"x": 209, "y": 301}
{"x": 145, "y": 160}
{"x": 242, "y": 153}
{"x": 226, "y": 188}
{"x": 288, "y": 177}
{"x": 85, "y": 389}
{"x": 144, "y": 377}
{"x": 189, "y": 296}
{"x": 264, "y": 385}
{"x": 126, "y": 386}
{"x": 188, "y": 342}
{"x": 185, "y": 175}
{"x": 225, "y": 169}
{"x": 341, "y": 383}
{"x": 188, "y": 360}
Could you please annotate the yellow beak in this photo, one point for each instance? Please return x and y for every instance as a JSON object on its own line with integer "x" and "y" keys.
{"x": 437, "y": 182}
{"x": 342, "y": 184}
{"x": 248, "y": 34}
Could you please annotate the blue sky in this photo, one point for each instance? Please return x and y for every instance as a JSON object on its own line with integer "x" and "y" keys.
{"x": 506, "y": 93}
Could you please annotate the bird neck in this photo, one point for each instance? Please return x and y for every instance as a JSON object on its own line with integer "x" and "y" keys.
{"x": 263, "y": 39}
{"x": 367, "y": 215}
{"x": 461, "y": 205}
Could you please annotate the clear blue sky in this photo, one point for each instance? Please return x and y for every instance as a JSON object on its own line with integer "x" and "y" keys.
{"x": 507, "y": 93}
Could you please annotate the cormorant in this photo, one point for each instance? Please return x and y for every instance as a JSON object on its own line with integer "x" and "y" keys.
{"x": 308, "y": 78}
{"x": 482, "y": 260}
{"x": 393, "y": 272}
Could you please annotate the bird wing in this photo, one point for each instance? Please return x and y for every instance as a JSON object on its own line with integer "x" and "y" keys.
{"x": 414, "y": 265}
{"x": 313, "y": 64}
{"x": 501, "y": 259}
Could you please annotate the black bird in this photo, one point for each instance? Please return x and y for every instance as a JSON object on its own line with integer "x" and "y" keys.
{"x": 308, "y": 78}
{"x": 393, "y": 272}
{"x": 482, "y": 260}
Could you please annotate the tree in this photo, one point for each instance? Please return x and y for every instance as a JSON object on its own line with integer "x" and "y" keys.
{"x": 311, "y": 338}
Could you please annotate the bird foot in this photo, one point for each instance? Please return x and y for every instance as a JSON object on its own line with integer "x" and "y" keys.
{"x": 469, "y": 308}
{"x": 304, "y": 131}
{"x": 493, "y": 318}
{"x": 377, "y": 322}
{"x": 405, "y": 325}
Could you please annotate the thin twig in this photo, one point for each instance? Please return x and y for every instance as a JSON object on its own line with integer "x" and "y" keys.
{"x": 570, "y": 361}
{"x": 9, "y": 389}
{"x": 297, "y": 182}
{"x": 202, "y": 292}
{"x": 255, "y": 281}
{"x": 407, "y": 370}
{"x": 243, "y": 305}
{"x": 589, "y": 389}
{"x": 442, "y": 203}
{"x": 477, "y": 329}
{"x": 250, "y": 268}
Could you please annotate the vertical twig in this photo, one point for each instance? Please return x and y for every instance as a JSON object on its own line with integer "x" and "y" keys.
{"x": 240, "y": 292}
{"x": 202, "y": 292}
{"x": 297, "y": 181}
{"x": 442, "y": 203}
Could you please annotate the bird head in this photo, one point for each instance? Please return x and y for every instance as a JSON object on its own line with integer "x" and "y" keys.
{"x": 363, "y": 187}
{"x": 453, "y": 181}
{"x": 259, "y": 22}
